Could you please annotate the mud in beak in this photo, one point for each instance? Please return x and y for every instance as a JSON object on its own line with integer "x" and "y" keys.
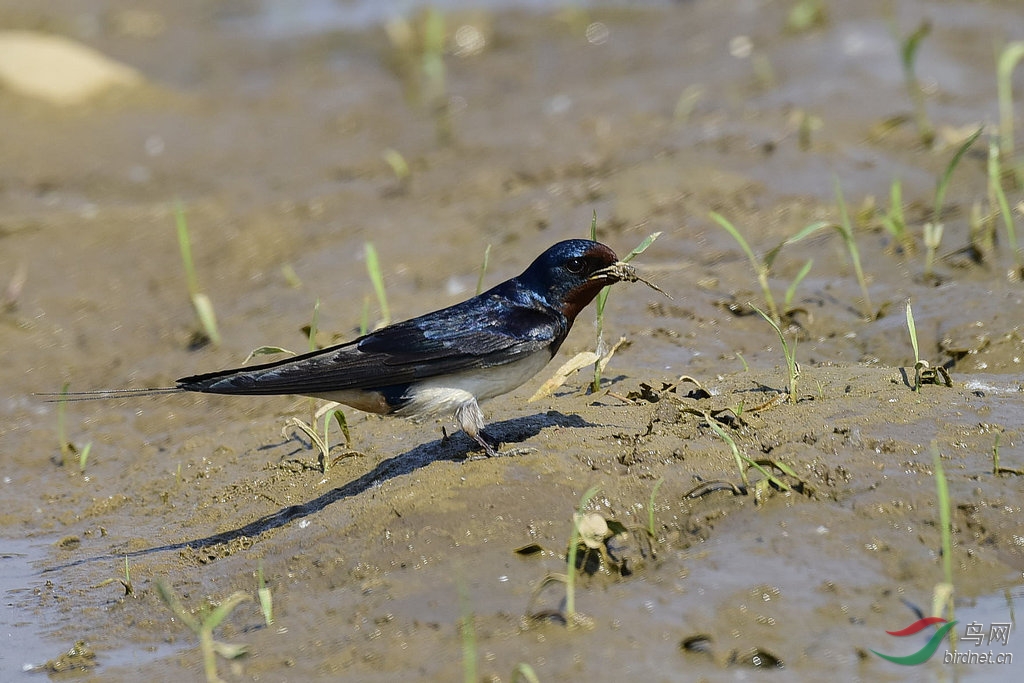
{"x": 616, "y": 272}
{"x": 620, "y": 271}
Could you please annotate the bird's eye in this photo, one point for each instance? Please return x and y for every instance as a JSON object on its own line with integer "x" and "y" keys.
{"x": 575, "y": 265}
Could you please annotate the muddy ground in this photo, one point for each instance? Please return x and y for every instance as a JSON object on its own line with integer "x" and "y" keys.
{"x": 272, "y": 136}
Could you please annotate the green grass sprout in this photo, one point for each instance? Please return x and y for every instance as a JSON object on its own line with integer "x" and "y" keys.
{"x": 468, "y": 634}
{"x": 763, "y": 266}
{"x": 483, "y": 269}
{"x": 943, "y": 182}
{"x": 604, "y": 352}
{"x": 995, "y": 454}
{"x": 845, "y": 228}
{"x": 1008, "y": 60}
{"x": 209, "y": 619}
{"x": 995, "y": 185}
{"x": 525, "y": 672}
{"x": 945, "y": 529}
{"x": 314, "y": 325}
{"x": 200, "y": 302}
{"x": 332, "y": 411}
{"x": 894, "y": 221}
{"x": 417, "y": 55}
{"x": 373, "y": 269}
{"x": 590, "y": 535}
{"x": 789, "y": 352}
{"x": 744, "y": 462}
{"x": 791, "y": 290}
{"x": 724, "y": 436}
{"x": 266, "y": 351}
{"x": 650, "y": 507}
{"x": 290, "y": 276}
{"x": 185, "y": 245}
{"x": 806, "y": 126}
{"x": 84, "y": 456}
{"x": 909, "y": 47}
{"x": 981, "y": 234}
{"x": 945, "y": 525}
{"x": 924, "y": 373}
{"x": 997, "y": 470}
{"x": 398, "y": 165}
{"x": 932, "y": 238}
{"x": 570, "y": 576}
{"x": 746, "y": 367}
{"x": 738, "y": 410}
{"x": 311, "y": 331}
{"x": 128, "y": 588}
{"x": 265, "y": 598}
{"x": 125, "y": 582}
{"x": 432, "y": 64}
{"x": 600, "y": 348}
{"x": 805, "y": 15}
{"x": 68, "y": 449}
{"x": 686, "y": 103}
{"x": 942, "y": 600}
{"x": 11, "y": 295}
{"x": 322, "y": 443}
{"x": 912, "y": 328}
{"x": 933, "y": 229}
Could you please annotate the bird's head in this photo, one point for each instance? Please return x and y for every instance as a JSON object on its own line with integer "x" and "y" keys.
{"x": 570, "y": 274}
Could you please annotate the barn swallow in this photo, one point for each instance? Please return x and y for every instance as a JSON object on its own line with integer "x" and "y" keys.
{"x": 440, "y": 363}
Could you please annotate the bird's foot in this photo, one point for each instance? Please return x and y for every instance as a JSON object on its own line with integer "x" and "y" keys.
{"x": 508, "y": 452}
{"x": 491, "y": 446}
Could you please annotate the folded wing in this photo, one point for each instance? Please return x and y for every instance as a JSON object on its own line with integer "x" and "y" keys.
{"x": 478, "y": 333}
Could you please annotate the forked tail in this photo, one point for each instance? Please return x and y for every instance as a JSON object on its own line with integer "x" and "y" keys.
{"x": 100, "y": 394}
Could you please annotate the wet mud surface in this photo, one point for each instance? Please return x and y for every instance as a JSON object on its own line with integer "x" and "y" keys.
{"x": 653, "y": 117}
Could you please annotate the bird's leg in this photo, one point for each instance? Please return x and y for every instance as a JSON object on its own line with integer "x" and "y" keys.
{"x": 491, "y": 449}
{"x": 471, "y": 420}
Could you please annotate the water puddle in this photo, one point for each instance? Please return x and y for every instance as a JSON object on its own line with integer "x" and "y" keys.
{"x": 22, "y": 626}
{"x": 26, "y": 619}
{"x": 990, "y": 646}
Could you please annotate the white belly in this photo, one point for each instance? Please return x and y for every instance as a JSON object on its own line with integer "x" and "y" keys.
{"x": 444, "y": 395}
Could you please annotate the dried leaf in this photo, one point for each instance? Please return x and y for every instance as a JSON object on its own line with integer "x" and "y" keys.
{"x": 573, "y": 365}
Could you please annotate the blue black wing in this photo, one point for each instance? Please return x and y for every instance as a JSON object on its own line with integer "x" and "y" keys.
{"x": 482, "y": 332}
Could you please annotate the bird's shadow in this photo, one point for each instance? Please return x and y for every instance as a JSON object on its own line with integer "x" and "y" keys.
{"x": 457, "y": 448}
